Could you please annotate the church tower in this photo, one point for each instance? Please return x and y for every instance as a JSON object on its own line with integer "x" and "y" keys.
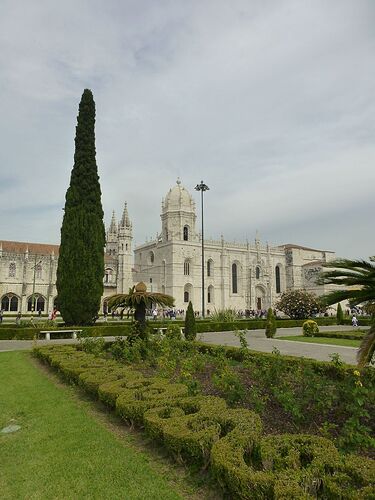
{"x": 111, "y": 237}
{"x": 178, "y": 215}
{"x": 125, "y": 256}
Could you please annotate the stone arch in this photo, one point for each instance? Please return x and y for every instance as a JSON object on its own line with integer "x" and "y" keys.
{"x": 260, "y": 297}
{"x": 210, "y": 268}
{"x": 235, "y": 273}
{"x": 36, "y": 302}
{"x": 109, "y": 275}
{"x": 10, "y": 302}
{"x": 151, "y": 257}
{"x": 188, "y": 293}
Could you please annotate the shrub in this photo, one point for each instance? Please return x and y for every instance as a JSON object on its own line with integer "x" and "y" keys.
{"x": 310, "y": 328}
{"x": 339, "y": 314}
{"x": 190, "y": 327}
{"x": 270, "y": 324}
{"x": 224, "y": 315}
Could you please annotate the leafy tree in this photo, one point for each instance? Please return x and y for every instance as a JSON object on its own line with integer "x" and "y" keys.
{"x": 138, "y": 300}
{"x": 190, "y": 326}
{"x": 298, "y": 304}
{"x": 339, "y": 315}
{"x": 356, "y": 279}
{"x": 270, "y": 324}
{"x": 81, "y": 258}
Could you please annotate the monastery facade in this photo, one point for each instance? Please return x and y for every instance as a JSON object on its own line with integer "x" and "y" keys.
{"x": 237, "y": 275}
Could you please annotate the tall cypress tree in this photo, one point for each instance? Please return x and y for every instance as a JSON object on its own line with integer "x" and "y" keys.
{"x": 81, "y": 259}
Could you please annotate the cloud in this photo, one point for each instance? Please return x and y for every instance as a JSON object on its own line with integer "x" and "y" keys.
{"x": 270, "y": 103}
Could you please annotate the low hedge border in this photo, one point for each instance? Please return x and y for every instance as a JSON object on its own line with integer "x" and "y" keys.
{"x": 201, "y": 429}
{"x": 341, "y": 335}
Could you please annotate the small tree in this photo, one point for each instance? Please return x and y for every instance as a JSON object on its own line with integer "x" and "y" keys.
{"x": 299, "y": 304}
{"x": 190, "y": 326}
{"x": 270, "y": 324}
{"x": 339, "y": 315}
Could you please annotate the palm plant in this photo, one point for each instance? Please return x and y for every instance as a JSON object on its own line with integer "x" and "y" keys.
{"x": 358, "y": 278}
{"x": 138, "y": 300}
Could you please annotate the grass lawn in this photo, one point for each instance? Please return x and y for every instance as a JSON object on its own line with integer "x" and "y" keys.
{"x": 323, "y": 340}
{"x": 62, "y": 450}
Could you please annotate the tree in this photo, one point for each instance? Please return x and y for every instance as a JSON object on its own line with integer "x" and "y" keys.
{"x": 358, "y": 279}
{"x": 80, "y": 268}
{"x": 138, "y": 300}
{"x": 190, "y": 326}
{"x": 339, "y": 315}
{"x": 271, "y": 326}
{"x": 298, "y": 304}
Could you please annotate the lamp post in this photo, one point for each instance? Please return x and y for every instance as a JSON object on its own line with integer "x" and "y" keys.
{"x": 202, "y": 188}
{"x": 33, "y": 295}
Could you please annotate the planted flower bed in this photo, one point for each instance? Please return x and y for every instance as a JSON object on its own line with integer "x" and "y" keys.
{"x": 204, "y": 429}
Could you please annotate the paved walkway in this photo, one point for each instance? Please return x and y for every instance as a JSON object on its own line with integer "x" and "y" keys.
{"x": 255, "y": 338}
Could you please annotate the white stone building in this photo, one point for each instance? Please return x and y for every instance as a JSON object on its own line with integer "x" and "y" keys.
{"x": 237, "y": 275}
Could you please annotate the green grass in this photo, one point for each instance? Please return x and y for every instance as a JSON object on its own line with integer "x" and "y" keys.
{"x": 323, "y": 340}
{"x": 62, "y": 451}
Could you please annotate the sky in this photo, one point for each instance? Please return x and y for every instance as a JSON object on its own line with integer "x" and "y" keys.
{"x": 269, "y": 102}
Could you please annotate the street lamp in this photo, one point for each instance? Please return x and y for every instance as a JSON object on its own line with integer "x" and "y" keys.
{"x": 202, "y": 188}
{"x": 36, "y": 264}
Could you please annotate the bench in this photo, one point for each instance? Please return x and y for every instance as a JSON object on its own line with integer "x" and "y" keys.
{"x": 162, "y": 331}
{"x": 48, "y": 333}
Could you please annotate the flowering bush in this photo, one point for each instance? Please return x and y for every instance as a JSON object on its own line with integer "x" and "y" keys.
{"x": 310, "y": 328}
{"x": 298, "y": 304}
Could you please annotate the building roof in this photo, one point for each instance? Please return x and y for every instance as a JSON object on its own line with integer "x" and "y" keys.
{"x": 20, "y": 247}
{"x": 292, "y": 245}
{"x": 178, "y": 198}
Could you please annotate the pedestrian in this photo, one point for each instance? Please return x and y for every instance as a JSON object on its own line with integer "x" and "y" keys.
{"x": 155, "y": 314}
{"x": 18, "y": 318}
{"x": 1, "y": 315}
{"x": 39, "y": 312}
{"x": 354, "y": 321}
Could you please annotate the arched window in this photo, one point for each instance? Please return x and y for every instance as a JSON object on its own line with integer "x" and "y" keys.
{"x": 5, "y": 303}
{"x": 210, "y": 294}
{"x": 108, "y": 275}
{"x": 234, "y": 278}
{"x": 186, "y": 268}
{"x": 37, "y": 300}
{"x": 257, "y": 272}
{"x": 277, "y": 278}
{"x": 186, "y": 296}
{"x": 13, "y": 305}
{"x": 12, "y": 270}
{"x": 210, "y": 268}
{"x": 152, "y": 257}
{"x": 38, "y": 271}
{"x": 186, "y": 233}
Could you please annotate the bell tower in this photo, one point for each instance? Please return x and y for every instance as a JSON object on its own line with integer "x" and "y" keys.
{"x": 178, "y": 215}
{"x": 125, "y": 254}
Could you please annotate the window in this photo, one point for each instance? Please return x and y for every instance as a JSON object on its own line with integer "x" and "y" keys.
{"x": 210, "y": 294}
{"x": 277, "y": 278}
{"x": 234, "y": 278}
{"x": 186, "y": 296}
{"x": 186, "y": 233}
{"x": 108, "y": 275}
{"x": 126, "y": 246}
{"x": 12, "y": 270}
{"x": 210, "y": 268}
{"x": 257, "y": 272}
{"x": 186, "y": 268}
{"x": 152, "y": 257}
{"x": 37, "y": 301}
{"x": 38, "y": 271}
{"x": 9, "y": 302}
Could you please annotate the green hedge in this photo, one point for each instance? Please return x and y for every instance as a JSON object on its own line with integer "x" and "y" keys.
{"x": 354, "y": 335}
{"x": 203, "y": 430}
{"x": 19, "y": 333}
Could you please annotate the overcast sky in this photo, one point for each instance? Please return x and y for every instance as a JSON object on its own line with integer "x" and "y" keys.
{"x": 270, "y": 102}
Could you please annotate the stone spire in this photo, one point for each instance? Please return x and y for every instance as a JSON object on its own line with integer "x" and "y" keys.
{"x": 125, "y": 220}
{"x": 113, "y": 226}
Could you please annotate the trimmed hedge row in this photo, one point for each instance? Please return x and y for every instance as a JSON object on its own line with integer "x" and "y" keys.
{"x": 203, "y": 430}
{"x": 19, "y": 333}
{"x": 341, "y": 335}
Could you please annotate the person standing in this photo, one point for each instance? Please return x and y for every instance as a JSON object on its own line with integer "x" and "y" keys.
{"x": 354, "y": 321}
{"x": 1, "y": 315}
{"x": 18, "y": 318}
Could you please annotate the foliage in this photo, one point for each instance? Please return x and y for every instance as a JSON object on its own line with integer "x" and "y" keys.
{"x": 138, "y": 299}
{"x": 80, "y": 268}
{"x": 339, "y": 314}
{"x": 271, "y": 326}
{"x": 224, "y": 315}
{"x": 310, "y": 328}
{"x": 298, "y": 304}
{"x": 204, "y": 431}
{"x": 93, "y": 345}
{"x": 358, "y": 276}
{"x": 190, "y": 326}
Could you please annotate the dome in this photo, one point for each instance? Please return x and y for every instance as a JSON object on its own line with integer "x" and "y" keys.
{"x": 178, "y": 198}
